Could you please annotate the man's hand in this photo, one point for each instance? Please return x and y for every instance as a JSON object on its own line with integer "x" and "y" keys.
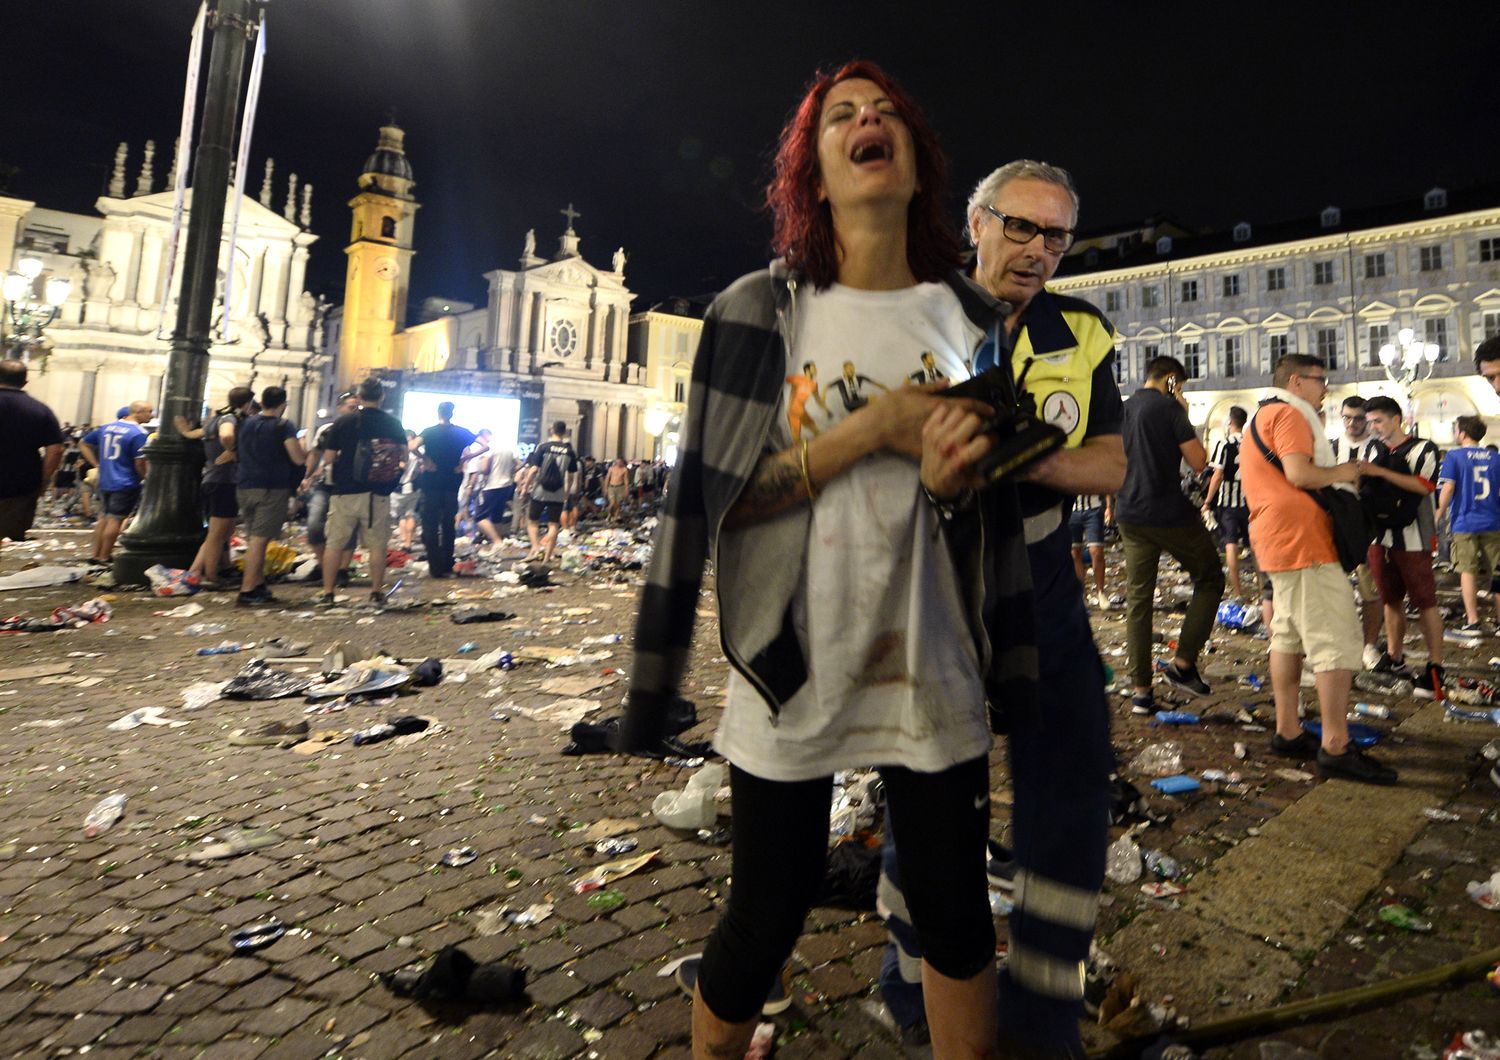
{"x": 952, "y": 441}
{"x": 226, "y": 457}
{"x": 1349, "y": 472}
{"x": 901, "y": 416}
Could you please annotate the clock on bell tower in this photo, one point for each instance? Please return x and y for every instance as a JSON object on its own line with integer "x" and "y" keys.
{"x": 379, "y": 253}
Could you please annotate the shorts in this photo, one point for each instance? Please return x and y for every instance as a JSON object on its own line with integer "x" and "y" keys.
{"x": 404, "y": 505}
{"x": 65, "y": 480}
{"x": 118, "y": 504}
{"x": 1473, "y": 553}
{"x": 616, "y": 494}
{"x": 367, "y": 513}
{"x": 16, "y": 516}
{"x": 1087, "y": 526}
{"x": 495, "y": 500}
{"x": 1314, "y": 616}
{"x": 220, "y": 500}
{"x": 544, "y": 512}
{"x": 1234, "y": 526}
{"x": 264, "y": 511}
{"x": 1401, "y": 574}
{"x": 571, "y": 504}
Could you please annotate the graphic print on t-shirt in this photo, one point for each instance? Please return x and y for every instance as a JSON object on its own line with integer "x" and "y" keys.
{"x": 851, "y": 392}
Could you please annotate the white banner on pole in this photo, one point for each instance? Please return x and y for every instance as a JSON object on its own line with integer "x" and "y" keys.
{"x": 241, "y": 170}
{"x": 184, "y": 160}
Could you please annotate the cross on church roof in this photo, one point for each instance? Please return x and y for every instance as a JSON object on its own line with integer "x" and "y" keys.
{"x": 571, "y": 214}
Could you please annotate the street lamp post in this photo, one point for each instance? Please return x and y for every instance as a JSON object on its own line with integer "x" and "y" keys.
{"x": 26, "y": 316}
{"x": 169, "y": 528}
{"x": 1408, "y": 362}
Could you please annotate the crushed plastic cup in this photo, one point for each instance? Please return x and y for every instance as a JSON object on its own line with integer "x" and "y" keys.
{"x": 693, "y": 807}
{"x": 615, "y": 846}
{"x": 1123, "y": 860}
{"x": 205, "y": 629}
{"x": 1485, "y": 893}
{"x": 104, "y": 815}
{"x": 1159, "y": 760}
{"x": 459, "y": 856}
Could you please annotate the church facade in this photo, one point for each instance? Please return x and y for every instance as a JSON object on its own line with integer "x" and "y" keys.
{"x": 109, "y": 344}
{"x": 553, "y": 331}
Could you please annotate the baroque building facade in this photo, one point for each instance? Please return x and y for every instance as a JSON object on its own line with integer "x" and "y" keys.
{"x": 109, "y": 344}
{"x": 552, "y": 332}
{"x": 1338, "y": 286}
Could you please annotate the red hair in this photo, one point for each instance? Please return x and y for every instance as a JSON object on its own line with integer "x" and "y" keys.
{"x": 803, "y": 226}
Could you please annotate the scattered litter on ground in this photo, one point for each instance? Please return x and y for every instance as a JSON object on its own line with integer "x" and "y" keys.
{"x": 104, "y": 815}
{"x": 200, "y": 694}
{"x": 456, "y": 977}
{"x": 257, "y": 936}
{"x": 602, "y": 876}
{"x": 458, "y": 857}
{"x": 40, "y": 578}
{"x": 1158, "y": 760}
{"x": 258, "y": 681}
{"x": 28, "y": 673}
{"x": 1398, "y": 915}
{"x": 143, "y": 716}
{"x": 693, "y": 807}
{"x": 231, "y": 843}
{"x": 170, "y": 581}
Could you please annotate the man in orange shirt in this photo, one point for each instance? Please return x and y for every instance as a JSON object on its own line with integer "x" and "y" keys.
{"x": 1314, "y": 614}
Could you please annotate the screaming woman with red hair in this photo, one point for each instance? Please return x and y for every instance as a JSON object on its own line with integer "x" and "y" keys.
{"x": 874, "y": 597}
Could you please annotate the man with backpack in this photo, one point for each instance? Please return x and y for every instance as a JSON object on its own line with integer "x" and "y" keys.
{"x": 270, "y": 463}
{"x": 1226, "y": 498}
{"x": 554, "y": 461}
{"x": 1284, "y": 463}
{"x": 367, "y": 451}
{"x": 1466, "y": 490}
{"x": 1397, "y": 496}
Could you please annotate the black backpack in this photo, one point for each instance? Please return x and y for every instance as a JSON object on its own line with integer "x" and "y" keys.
{"x": 551, "y": 479}
{"x": 1387, "y": 506}
{"x": 377, "y": 462}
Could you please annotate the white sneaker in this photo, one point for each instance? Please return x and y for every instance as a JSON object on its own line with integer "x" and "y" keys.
{"x": 1371, "y": 657}
{"x": 1104, "y": 602}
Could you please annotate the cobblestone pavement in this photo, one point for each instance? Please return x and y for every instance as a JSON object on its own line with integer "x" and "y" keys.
{"x": 116, "y": 946}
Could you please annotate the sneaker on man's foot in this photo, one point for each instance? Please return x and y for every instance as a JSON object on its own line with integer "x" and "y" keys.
{"x": 1394, "y": 667}
{"x": 916, "y": 1041}
{"x": 324, "y": 600}
{"x": 777, "y": 1001}
{"x": 1473, "y": 629}
{"x": 1354, "y": 765}
{"x": 1000, "y": 866}
{"x": 1104, "y": 602}
{"x": 1463, "y": 635}
{"x": 256, "y": 597}
{"x": 1372, "y": 657}
{"x": 1188, "y": 680}
{"x": 1429, "y": 683}
{"x": 1304, "y": 745}
{"x": 1142, "y": 705}
{"x": 378, "y": 598}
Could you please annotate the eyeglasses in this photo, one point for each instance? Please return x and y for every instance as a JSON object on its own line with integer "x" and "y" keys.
{"x": 1321, "y": 380}
{"x": 1354, "y": 419}
{"x": 1020, "y": 230}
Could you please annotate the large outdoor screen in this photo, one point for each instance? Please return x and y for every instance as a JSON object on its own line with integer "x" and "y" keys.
{"x": 474, "y": 411}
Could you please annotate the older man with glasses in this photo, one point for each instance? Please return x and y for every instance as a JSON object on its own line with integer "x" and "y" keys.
{"x": 1021, "y": 220}
{"x": 1357, "y": 445}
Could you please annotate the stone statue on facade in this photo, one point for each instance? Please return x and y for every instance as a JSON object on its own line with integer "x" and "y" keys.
{"x": 528, "y": 248}
{"x": 618, "y": 264}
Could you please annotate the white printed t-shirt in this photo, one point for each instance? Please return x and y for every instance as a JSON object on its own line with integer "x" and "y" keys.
{"x": 893, "y": 666}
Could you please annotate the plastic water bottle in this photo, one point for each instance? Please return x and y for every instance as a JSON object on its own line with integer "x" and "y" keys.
{"x": 227, "y": 648}
{"x": 104, "y": 815}
{"x": 1177, "y": 717}
{"x": 1372, "y": 710}
{"x": 1123, "y": 860}
{"x": 1160, "y": 865}
{"x": 374, "y": 734}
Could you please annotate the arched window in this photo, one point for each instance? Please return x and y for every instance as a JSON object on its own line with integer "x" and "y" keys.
{"x": 387, "y": 228}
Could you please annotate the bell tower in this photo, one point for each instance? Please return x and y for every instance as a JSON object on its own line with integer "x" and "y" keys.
{"x": 379, "y": 252}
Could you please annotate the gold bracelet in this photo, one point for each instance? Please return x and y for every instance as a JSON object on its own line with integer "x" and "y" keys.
{"x": 812, "y": 494}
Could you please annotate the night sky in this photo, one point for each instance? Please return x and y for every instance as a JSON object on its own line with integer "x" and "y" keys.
{"x": 656, "y": 118}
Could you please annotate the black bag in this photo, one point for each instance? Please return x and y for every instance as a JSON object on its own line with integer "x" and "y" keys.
{"x": 551, "y": 478}
{"x": 377, "y": 465}
{"x": 1388, "y": 506}
{"x": 1351, "y": 530}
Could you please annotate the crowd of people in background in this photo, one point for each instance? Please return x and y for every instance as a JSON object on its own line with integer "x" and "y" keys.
{"x": 356, "y": 481}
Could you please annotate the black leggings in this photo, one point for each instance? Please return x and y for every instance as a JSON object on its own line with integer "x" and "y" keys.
{"x": 939, "y": 821}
